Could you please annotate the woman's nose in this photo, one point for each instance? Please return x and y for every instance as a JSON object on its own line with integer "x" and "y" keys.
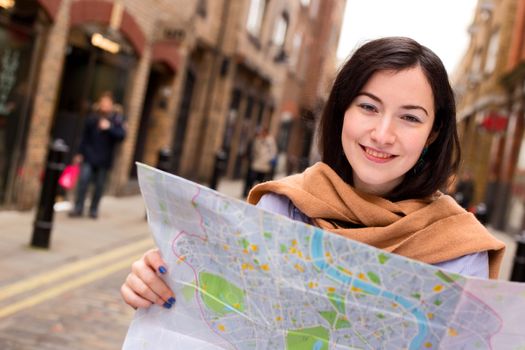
{"x": 383, "y": 131}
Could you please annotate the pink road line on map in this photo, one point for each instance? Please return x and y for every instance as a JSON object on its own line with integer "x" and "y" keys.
{"x": 204, "y": 239}
{"x": 201, "y": 224}
{"x": 470, "y": 295}
{"x": 194, "y": 202}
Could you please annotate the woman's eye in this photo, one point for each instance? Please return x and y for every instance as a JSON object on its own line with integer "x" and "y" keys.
{"x": 411, "y": 118}
{"x": 367, "y": 107}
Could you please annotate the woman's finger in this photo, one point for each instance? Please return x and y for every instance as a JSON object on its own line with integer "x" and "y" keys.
{"x": 132, "y": 299}
{"x": 152, "y": 280}
{"x": 153, "y": 259}
{"x": 141, "y": 289}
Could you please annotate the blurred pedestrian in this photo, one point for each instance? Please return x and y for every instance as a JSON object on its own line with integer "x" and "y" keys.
{"x": 262, "y": 155}
{"x": 103, "y": 130}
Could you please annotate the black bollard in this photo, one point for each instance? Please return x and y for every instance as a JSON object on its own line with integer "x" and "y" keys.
{"x": 164, "y": 159}
{"x": 518, "y": 269}
{"x": 218, "y": 168}
{"x": 44, "y": 217}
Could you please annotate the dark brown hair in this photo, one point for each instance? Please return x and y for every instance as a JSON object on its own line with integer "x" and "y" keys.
{"x": 395, "y": 54}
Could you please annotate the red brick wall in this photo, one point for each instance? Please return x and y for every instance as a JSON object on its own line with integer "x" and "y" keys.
{"x": 90, "y": 11}
{"x": 167, "y": 52}
{"x": 51, "y": 7}
{"x": 133, "y": 32}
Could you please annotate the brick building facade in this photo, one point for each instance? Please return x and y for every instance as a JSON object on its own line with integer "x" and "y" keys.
{"x": 192, "y": 77}
{"x": 489, "y": 87}
{"x": 306, "y": 89}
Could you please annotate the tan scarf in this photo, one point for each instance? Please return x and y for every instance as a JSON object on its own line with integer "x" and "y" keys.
{"x": 433, "y": 230}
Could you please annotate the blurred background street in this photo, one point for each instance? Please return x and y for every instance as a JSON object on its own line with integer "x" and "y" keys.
{"x": 192, "y": 84}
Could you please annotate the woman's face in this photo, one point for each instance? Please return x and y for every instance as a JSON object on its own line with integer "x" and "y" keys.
{"x": 386, "y": 128}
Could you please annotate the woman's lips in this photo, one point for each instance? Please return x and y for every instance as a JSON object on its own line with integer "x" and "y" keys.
{"x": 377, "y": 156}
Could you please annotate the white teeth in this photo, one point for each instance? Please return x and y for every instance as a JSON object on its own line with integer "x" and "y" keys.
{"x": 377, "y": 154}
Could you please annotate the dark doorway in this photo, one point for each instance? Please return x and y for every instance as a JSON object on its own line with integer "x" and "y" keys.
{"x": 182, "y": 121}
{"x": 230, "y": 122}
{"x": 88, "y": 72}
{"x": 158, "y": 78}
{"x": 245, "y": 140}
{"x": 18, "y": 61}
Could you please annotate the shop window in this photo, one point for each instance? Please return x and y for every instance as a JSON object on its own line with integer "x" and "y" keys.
{"x": 260, "y": 114}
{"x": 255, "y": 17}
{"x": 182, "y": 120}
{"x": 88, "y": 71}
{"x": 280, "y": 29}
{"x": 231, "y": 120}
{"x": 492, "y": 53}
{"x": 296, "y": 49}
{"x": 314, "y": 8}
{"x": 202, "y": 8}
{"x": 283, "y": 137}
{"x": 475, "y": 69}
{"x": 245, "y": 137}
{"x": 18, "y": 58}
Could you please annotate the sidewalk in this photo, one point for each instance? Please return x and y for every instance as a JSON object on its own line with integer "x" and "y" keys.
{"x": 121, "y": 222}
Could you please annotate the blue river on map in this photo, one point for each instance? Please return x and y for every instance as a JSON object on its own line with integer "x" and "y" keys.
{"x": 317, "y": 252}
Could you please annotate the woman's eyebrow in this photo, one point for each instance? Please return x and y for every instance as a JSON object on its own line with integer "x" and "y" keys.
{"x": 374, "y": 97}
{"x": 415, "y": 107}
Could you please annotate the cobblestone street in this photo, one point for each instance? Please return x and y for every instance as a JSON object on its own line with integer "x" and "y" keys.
{"x": 92, "y": 317}
{"x": 67, "y": 296}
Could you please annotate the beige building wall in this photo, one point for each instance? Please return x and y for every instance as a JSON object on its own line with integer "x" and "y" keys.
{"x": 28, "y": 185}
{"x": 310, "y": 79}
{"x": 478, "y": 88}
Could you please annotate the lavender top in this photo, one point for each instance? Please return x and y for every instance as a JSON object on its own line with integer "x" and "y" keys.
{"x": 476, "y": 264}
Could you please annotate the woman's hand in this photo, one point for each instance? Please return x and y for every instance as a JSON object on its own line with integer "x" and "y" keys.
{"x": 143, "y": 286}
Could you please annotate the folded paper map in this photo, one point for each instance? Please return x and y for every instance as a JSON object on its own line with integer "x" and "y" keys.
{"x": 246, "y": 278}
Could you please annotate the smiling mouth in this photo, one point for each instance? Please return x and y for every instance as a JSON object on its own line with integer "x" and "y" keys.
{"x": 377, "y": 155}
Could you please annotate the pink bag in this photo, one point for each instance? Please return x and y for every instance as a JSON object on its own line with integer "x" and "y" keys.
{"x": 69, "y": 176}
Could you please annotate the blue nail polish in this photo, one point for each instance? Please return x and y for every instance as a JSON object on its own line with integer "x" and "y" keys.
{"x": 172, "y": 300}
{"x": 167, "y": 305}
{"x": 162, "y": 269}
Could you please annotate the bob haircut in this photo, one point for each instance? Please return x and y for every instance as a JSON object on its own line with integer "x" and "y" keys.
{"x": 395, "y": 54}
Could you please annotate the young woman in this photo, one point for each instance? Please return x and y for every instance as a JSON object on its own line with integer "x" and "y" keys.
{"x": 389, "y": 143}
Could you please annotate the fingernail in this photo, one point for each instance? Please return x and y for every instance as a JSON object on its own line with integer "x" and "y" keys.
{"x": 172, "y": 300}
{"x": 162, "y": 269}
{"x": 167, "y": 305}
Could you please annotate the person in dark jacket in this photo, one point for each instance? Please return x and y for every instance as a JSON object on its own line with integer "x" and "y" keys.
{"x": 103, "y": 130}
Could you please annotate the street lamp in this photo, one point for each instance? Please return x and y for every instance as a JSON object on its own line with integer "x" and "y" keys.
{"x": 105, "y": 43}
